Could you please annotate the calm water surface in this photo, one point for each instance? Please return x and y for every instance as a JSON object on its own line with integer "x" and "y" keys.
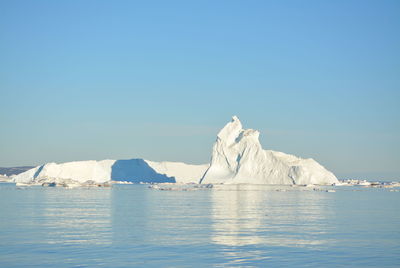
{"x": 132, "y": 225}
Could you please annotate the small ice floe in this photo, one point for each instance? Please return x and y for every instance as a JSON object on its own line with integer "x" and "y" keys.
{"x": 281, "y": 190}
{"x": 324, "y": 189}
{"x": 94, "y": 184}
{"x": 66, "y": 183}
{"x": 393, "y": 184}
{"x": 5, "y": 178}
{"x": 318, "y": 189}
{"x": 365, "y": 183}
{"x": 180, "y": 187}
{"x": 21, "y": 184}
{"x": 121, "y": 182}
{"x": 375, "y": 184}
{"x": 353, "y": 182}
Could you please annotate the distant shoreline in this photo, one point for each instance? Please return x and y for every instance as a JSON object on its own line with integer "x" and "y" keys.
{"x": 8, "y": 171}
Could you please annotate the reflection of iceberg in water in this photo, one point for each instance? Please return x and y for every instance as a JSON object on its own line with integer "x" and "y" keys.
{"x": 259, "y": 215}
{"x": 77, "y": 216}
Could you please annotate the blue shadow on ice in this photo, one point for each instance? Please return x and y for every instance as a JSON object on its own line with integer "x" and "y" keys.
{"x": 136, "y": 171}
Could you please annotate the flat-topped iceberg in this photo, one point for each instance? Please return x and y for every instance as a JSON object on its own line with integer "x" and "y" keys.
{"x": 237, "y": 157}
{"x": 102, "y": 172}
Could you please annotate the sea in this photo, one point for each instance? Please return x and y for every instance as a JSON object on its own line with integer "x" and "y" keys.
{"x": 223, "y": 226}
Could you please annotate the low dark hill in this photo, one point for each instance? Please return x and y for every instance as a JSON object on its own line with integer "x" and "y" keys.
{"x": 13, "y": 170}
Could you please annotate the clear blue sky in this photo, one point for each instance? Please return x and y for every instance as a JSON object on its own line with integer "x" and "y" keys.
{"x": 157, "y": 79}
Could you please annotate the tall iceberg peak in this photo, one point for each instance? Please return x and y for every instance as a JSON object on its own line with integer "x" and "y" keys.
{"x": 238, "y": 157}
{"x": 231, "y": 131}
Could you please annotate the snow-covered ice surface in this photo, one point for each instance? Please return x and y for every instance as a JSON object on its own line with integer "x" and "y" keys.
{"x": 231, "y": 225}
{"x": 103, "y": 172}
{"x": 183, "y": 173}
{"x": 79, "y": 171}
{"x": 237, "y": 157}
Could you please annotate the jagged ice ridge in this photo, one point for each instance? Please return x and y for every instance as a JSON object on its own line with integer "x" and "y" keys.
{"x": 237, "y": 157}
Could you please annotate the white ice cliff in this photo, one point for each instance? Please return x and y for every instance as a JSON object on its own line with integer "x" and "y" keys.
{"x": 237, "y": 157}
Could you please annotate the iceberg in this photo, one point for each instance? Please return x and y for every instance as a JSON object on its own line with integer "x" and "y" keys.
{"x": 237, "y": 157}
